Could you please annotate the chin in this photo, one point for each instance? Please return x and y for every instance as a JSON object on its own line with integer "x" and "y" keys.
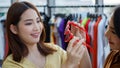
{"x": 34, "y": 42}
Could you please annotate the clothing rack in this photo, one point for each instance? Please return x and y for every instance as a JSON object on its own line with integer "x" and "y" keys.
{"x": 4, "y": 6}
{"x": 44, "y": 6}
{"x": 82, "y": 6}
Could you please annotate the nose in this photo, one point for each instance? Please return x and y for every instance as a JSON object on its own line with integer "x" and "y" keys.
{"x": 36, "y": 27}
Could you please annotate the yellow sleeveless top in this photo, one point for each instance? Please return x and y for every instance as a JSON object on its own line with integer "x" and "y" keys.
{"x": 54, "y": 60}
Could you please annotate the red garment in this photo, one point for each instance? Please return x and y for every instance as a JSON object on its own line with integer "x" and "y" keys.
{"x": 86, "y": 28}
{"x": 95, "y": 42}
{"x": 86, "y": 25}
{"x": 80, "y": 21}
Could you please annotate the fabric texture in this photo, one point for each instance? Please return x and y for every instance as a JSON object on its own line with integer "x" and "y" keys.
{"x": 101, "y": 42}
{"x": 113, "y": 60}
{"x": 54, "y": 60}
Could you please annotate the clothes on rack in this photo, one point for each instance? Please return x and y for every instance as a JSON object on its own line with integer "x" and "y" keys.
{"x": 45, "y": 20}
{"x": 95, "y": 28}
{"x": 2, "y": 37}
{"x": 55, "y": 27}
{"x": 101, "y": 41}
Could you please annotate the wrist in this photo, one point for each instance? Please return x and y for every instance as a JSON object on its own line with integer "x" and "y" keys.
{"x": 69, "y": 65}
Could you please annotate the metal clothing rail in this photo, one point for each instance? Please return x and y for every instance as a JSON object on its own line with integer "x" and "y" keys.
{"x": 82, "y": 6}
{"x": 35, "y": 5}
{"x": 50, "y": 7}
{"x": 68, "y": 6}
{"x": 44, "y": 6}
{"x": 4, "y": 6}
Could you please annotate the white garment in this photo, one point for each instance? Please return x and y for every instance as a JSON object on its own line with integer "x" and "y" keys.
{"x": 2, "y": 38}
{"x": 56, "y": 32}
{"x": 92, "y": 31}
{"x": 107, "y": 47}
{"x": 2, "y": 41}
{"x": 106, "y": 51}
{"x": 101, "y": 42}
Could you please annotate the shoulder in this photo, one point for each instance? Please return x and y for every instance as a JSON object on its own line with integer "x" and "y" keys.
{"x": 10, "y": 63}
{"x": 112, "y": 58}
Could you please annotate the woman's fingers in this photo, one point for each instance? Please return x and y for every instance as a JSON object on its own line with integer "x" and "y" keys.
{"x": 76, "y": 52}
{"x": 69, "y": 48}
{"x": 77, "y": 31}
{"x": 77, "y": 45}
{"x": 78, "y": 49}
{"x": 74, "y": 45}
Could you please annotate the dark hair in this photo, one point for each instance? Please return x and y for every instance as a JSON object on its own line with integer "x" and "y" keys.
{"x": 116, "y": 20}
{"x": 16, "y": 47}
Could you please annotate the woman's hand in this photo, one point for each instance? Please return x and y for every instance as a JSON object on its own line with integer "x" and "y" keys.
{"x": 75, "y": 52}
{"x": 77, "y": 55}
{"x": 76, "y": 31}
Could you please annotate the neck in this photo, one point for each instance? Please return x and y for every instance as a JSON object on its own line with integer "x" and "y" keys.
{"x": 32, "y": 49}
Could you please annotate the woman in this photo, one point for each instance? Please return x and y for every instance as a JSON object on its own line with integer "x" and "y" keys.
{"x": 113, "y": 35}
{"x": 27, "y": 49}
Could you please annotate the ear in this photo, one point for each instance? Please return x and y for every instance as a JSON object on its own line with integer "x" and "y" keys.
{"x": 13, "y": 29}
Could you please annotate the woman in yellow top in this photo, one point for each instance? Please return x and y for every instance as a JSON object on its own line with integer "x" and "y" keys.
{"x": 27, "y": 49}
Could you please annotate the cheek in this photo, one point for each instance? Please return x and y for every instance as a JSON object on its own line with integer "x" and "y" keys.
{"x": 116, "y": 40}
{"x": 24, "y": 34}
{"x": 41, "y": 27}
{"x": 117, "y": 45}
{"x": 24, "y": 31}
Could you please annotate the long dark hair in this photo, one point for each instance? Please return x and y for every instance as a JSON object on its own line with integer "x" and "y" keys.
{"x": 116, "y": 20}
{"x": 16, "y": 47}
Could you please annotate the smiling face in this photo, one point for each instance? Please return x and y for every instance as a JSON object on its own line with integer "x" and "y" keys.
{"x": 29, "y": 27}
{"x": 114, "y": 40}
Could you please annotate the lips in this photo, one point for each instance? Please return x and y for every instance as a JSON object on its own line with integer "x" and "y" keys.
{"x": 35, "y": 35}
{"x": 111, "y": 42}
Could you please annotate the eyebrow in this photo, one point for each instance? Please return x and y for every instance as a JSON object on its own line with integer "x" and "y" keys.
{"x": 28, "y": 20}
{"x": 31, "y": 19}
{"x": 37, "y": 18}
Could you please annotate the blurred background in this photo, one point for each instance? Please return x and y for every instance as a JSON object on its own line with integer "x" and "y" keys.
{"x": 54, "y": 12}
{"x": 56, "y": 6}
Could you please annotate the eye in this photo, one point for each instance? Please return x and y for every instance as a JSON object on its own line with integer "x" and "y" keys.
{"x": 106, "y": 26}
{"x": 38, "y": 21}
{"x": 28, "y": 23}
{"x": 113, "y": 32}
